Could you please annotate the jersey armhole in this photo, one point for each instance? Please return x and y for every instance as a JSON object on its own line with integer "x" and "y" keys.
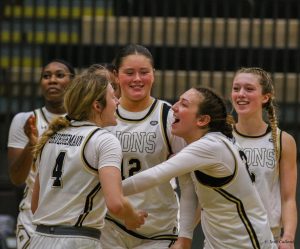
{"x": 279, "y": 143}
{"x": 165, "y": 112}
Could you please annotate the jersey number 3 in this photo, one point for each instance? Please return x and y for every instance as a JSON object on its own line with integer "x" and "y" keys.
{"x": 57, "y": 170}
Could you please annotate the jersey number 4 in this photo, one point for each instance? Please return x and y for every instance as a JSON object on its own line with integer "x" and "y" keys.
{"x": 57, "y": 170}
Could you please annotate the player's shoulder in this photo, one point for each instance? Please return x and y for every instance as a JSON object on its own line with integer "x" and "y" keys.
{"x": 105, "y": 134}
{"x": 215, "y": 141}
{"x": 24, "y": 114}
{"x": 287, "y": 139}
{"x": 106, "y": 140}
{"x": 166, "y": 108}
{"x": 164, "y": 102}
{"x": 21, "y": 117}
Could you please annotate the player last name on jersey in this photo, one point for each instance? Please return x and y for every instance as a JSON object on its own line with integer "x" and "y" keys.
{"x": 66, "y": 139}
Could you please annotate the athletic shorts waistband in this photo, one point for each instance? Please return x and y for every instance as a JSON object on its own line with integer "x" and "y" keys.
{"x": 69, "y": 230}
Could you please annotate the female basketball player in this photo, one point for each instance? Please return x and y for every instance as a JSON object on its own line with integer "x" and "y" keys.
{"x": 232, "y": 214}
{"x": 271, "y": 153}
{"x": 79, "y": 170}
{"x": 143, "y": 128}
{"x": 56, "y": 75}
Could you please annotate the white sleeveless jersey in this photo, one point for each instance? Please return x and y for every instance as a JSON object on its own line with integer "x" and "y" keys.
{"x": 235, "y": 201}
{"x": 232, "y": 214}
{"x": 260, "y": 154}
{"x": 69, "y": 179}
{"x": 144, "y": 144}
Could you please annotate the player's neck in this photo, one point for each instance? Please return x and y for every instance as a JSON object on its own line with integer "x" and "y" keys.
{"x": 136, "y": 106}
{"x": 56, "y": 108}
{"x": 251, "y": 127}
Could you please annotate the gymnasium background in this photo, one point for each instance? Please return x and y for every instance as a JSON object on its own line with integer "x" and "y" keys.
{"x": 192, "y": 42}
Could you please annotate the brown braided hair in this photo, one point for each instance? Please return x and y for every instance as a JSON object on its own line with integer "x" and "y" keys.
{"x": 214, "y": 106}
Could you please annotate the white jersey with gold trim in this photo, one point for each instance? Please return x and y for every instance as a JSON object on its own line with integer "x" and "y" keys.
{"x": 232, "y": 213}
{"x": 146, "y": 141}
{"x": 260, "y": 154}
{"x": 69, "y": 179}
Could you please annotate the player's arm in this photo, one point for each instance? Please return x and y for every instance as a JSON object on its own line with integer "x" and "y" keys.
{"x": 288, "y": 181}
{"x": 197, "y": 215}
{"x": 107, "y": 149}
{"x": 182, "y": 243}
{"x": 35, "y": 194}
{"x": 20, "y": 159}
{"x": 164, "y": 171}
{"x": 188, "y": 205}
{"x": 116, "y": 203}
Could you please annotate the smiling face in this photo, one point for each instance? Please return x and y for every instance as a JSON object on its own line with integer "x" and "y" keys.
{"x": 54, "y": 79}
{"x": 246, "y": 95}
{"x": 186, "y": 119}
{"x": 136, "y": 78}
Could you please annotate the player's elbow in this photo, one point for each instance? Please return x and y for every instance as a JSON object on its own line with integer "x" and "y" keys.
{"x": 115, "y": 207}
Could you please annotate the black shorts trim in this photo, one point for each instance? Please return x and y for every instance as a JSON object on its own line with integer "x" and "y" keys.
{"x": 171, "y": 237}
{"x": 69, "y": 230}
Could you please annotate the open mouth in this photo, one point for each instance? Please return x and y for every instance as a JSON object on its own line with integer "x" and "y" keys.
{"x": 176, "y": 120}
{"x": 242, "y": 102}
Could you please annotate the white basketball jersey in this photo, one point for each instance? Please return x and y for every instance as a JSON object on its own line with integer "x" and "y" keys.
{"x": 232, "y": 215}
{"x": 260, "y": 154}
{"x": 145, "y": 143}
{"x": 69, "y": 183}
{"x": 42, "y": 123}
{"x": 235, "y": 201}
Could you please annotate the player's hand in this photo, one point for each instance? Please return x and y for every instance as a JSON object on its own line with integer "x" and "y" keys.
{"x": 31, "y": 130}
{"x": 182, "y": 243}
{"x": 137, "y": 220}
